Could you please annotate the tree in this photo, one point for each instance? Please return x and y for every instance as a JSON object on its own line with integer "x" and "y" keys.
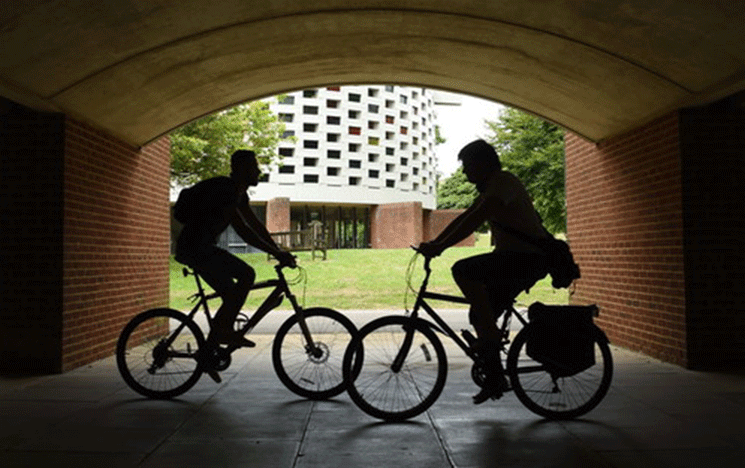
{"x": 201, "y": 149}
{"x": 533, "y": 150}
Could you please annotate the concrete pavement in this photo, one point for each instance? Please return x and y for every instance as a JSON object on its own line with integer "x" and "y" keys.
{"x": 655, "y": 415}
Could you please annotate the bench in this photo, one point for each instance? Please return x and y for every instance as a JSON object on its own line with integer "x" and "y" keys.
{"x": 312, "y": 239}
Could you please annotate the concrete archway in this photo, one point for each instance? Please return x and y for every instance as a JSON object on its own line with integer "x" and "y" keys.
{"x": 99, "y": 83}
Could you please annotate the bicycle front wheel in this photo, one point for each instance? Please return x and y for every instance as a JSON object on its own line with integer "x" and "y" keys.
{"x": 313, "y": 373}
{"x": 559, "y": 397}
{"x": 396, "y": 368}
{"x": 157, "y": 353}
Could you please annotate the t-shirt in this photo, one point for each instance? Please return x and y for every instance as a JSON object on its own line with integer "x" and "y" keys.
{"x": 509, "y": 204}
{"x": 218, "y": 197}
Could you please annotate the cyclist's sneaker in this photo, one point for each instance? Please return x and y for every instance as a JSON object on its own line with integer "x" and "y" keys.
{"x": 492, "y": 390}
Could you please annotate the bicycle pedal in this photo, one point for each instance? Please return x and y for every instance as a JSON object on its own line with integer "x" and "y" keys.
{"x": 214, "y": 375}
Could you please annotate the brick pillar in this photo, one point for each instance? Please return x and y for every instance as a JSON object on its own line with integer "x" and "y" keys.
{"x": 85, "y": 229}
{"x": 712, "y": 141}
{"x": 396, "y": 225}
{"x": 278, "y": 214}
{"x": 31, "y": 189}
{"x": 625, "y": 227}
{"x": 435, "y": 221}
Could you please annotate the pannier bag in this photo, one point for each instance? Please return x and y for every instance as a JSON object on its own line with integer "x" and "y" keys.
{"x": 562, "y": 338}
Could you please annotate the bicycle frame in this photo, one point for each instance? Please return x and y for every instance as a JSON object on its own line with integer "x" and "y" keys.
{"x": 275, "y": 297}
{"x": 441, "y": 325}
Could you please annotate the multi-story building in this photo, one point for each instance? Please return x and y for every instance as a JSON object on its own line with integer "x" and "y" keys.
{"x": 362, "y": 163}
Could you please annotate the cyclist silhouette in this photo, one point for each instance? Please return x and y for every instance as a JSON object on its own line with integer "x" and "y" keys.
{"x": 504, "y": 203}
{"x": 213, "y": 205}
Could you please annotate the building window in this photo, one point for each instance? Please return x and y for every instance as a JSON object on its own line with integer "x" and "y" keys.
{"x": 390, "y": 104}
{"x": 288, "y": 133}
{"x": 373, "y": 141}
{"x": 373, "y": 157}
{"x": 389, "y": 88}
{"x": 372, "y": 124}
{"x": 310, "y": 144}
{"x": 373, "y": 108}
{"x": 310, "y": 127}
{"x": 332, "y": 137}
{"x": 390, "y": 167}
{"x": 390, "y": 151}
{"x": 333, "y": 120}
{"x": 332, "y": 171}
{"x": 390, "y": 119}
{"x": 373, "y": 174}
{"x": 354, "y": 114}
{"x": 287, "y": 100}
{"x": 354, "y": 181}
{"x": 354, "y": 147}
{"x": 333, "y": 154}
{"x": 403, "y": 145}
{"x": 310, "y": 93}
{"x": 355, "y": 163}
{"x": 404, "y": 177}
{"x": 310, "y": 110}
{"x": 404, "y": 130}
{"x": 355, "y": 97}
{"x": 390, "y": 183}
{"x": 403, "y": 99}
{"x": 372, "y": 92}
{"x": 284, "y": 117}
{"x": 355, "y": 131}
{"x": 286, "y": 169}
{"x": 404, "y": 161}
{"x": 310, "y": 162}
{"x": 333, "y": 88}
{"x": 310, "y": 178}
{"x": 332, "y": 103}
{"x": 287, "y": 152}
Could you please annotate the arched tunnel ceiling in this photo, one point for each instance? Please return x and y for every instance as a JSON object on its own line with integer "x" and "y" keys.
{"x": 139, "y": 68}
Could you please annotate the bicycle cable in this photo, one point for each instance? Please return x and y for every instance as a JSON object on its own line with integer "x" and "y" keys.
{"x": 409, "y": 286}
{"x": 300, "y": 277}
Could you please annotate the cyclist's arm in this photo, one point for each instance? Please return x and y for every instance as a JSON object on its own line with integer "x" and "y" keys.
{"x": 245, "y": 220}
{"x": 460, "y": 228}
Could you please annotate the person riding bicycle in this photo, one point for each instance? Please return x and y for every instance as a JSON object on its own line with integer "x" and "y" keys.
{"x": 491, "y": 281}
{"x": 214, "y": 204}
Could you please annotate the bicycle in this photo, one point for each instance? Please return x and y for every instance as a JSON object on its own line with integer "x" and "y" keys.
{"x": 396, "y": 366}
{"x": 162, "y": 353}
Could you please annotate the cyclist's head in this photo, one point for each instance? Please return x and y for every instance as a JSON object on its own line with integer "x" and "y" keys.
{"x": 479, "y": 162}
{"x": 243, "y": 165}
{"x": 481, "y": 151}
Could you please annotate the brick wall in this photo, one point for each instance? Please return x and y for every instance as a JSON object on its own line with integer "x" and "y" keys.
{"x": 278, "y": 215}
{"x": 396, "y": 225}
{"x": 435, "y": 221}
{"x": 116, "y": 238}
{"x": 625, "y": 226}
{"x": 31, "y": 184}
{"x": 713, "y": 159}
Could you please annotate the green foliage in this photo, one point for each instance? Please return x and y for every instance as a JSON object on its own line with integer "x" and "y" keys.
{"x": 201, "y": 149}
{"x": 456, "y": 192}
{"x": 533, "y": 150}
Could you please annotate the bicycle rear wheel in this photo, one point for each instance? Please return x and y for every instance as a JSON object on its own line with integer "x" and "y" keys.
{"x": 157, "y": 353}
{"x": 396, "y": 368}
{"x": 313, "y": 373}
{"x": 559, "y": 397}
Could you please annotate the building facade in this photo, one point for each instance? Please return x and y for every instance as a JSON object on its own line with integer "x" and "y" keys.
{"x": 362, "y": 163}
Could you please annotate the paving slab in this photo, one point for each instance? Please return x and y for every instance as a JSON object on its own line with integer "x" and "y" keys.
{"x": 655, "y": 415}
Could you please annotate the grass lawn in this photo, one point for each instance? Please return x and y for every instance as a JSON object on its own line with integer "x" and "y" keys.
{"x": 361, "y": 279}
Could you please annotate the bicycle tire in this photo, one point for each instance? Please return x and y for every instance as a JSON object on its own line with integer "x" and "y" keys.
{"x": 380, "y": 391}
{"x": 566, "y": 397}
{"x": 317, "y": 377}
{"x": 147, "y": 365}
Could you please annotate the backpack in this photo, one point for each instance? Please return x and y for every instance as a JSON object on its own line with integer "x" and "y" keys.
{"x": 187, "y": 207}
{"x": 562, "y": 338}
{"x": 201, "y": 201}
